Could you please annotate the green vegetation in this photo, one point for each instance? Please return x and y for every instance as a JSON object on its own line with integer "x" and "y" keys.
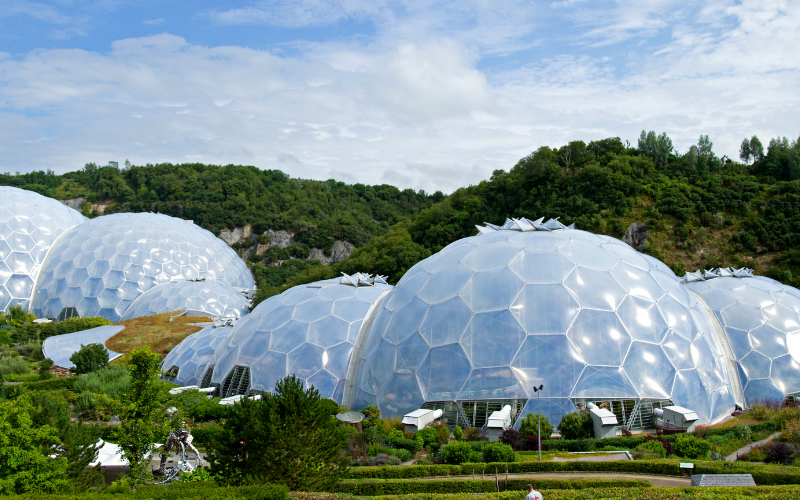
{"x": 576, "y": 425}
{"x": 89, "y": 358}
{"x": 533, "y": 423}
{"x": 288, "y": 437}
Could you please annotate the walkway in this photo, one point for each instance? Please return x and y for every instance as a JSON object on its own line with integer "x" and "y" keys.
{"x": 666, "y": 481}
{"x": 746, "y": 449}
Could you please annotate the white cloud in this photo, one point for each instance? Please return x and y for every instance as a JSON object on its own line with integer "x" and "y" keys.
{"x": 412, "y": 105}
{"x": 154, "y": 22}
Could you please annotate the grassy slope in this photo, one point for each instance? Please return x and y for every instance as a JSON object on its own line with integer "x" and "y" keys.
{"x": 156, "y": 332}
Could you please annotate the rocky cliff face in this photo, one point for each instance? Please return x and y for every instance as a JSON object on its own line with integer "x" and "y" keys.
{"x": 75, "y": 204}
{"x": 244, "y": 235}
{"x": 636, "y": 235}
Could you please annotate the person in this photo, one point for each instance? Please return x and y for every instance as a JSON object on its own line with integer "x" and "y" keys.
{"x": 533, "y": 494}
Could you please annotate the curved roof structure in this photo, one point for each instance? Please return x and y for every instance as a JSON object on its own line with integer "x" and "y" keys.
{"x": 102, "y": 266}
{"x": 214, "y": 299}
{"x": 186, "y": 364}
{"x": 762, "y": 324}
{"x": 309, "y": 331}
{"x": 491, "y": 316}
{"x": 29, "y": 226}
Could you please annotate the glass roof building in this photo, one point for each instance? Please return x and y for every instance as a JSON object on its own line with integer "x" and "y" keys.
{"x": 187, "y": 362}
{"x": 762, "y": 326}
{"x": 491, "y": 316}
{"x": 101, "y": 266}
{"x": 309, "y": 330}
{"x": 29, "y": 226}
{"x": 210, "y": 298}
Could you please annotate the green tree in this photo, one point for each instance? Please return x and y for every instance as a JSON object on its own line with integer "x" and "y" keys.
{"x": 89, "y": 358}
{"x": 456, "y": 452}
{"x": 458, "y": 433}
{"x": 691, "y": 447}
{"x": 44, "y": 369}
{"x": 289, "y": 437}
{"x": 141, "y": 412}
{"x": 530, "y": 424}
{"x": 756, "y": 149}
{"x": 498, "y": 452}
{"x": 25, "y": 464}
{"x": 576, "y": 425}
{"x": 745, "y": 154}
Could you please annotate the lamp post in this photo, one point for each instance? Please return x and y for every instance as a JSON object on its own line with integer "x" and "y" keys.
{"x": 538, "y": 391}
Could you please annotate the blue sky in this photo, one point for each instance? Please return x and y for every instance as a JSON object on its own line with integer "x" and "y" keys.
{"x": 423, "y": 94}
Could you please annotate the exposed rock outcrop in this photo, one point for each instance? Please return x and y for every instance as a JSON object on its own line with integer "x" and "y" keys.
{"x": 636, "y": 235}
{"x": 76, "y": 203}
{"x": 281, "y": 239}
{"x": 317, "y": 253}
{"x": 235, "y": 235}
{"x": 341, "y": 250}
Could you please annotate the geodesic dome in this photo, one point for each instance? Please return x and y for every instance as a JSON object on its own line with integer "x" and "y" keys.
{"x": 102, "y": 266}
{"x": 760, "y": 317}
{"x": 186, "y": 364}
{"x": 308, "y": 330}
{"x": 491, "y": 316}
{"x": 29, "y": 225}
{"x": 199, "y": 298}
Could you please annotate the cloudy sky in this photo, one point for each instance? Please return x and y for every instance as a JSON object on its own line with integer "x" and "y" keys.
{"x": 423, "y": 94}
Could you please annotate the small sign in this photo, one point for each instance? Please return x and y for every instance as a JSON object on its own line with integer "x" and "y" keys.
{"x": 685, "y": 465}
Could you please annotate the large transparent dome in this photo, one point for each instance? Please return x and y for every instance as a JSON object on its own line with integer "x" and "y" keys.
{"x": 491, "y": 316}
{"x": 100, "y": 267}
{"x": 760, "y": 316}
{"x": 29, "y": 225}
{"x": 186, "y": 364}
{"x": 308, "y": 330}
{"x": 199, "y": 298}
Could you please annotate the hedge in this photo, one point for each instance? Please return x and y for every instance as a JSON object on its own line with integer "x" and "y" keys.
{"x": 205, "y": 490}
{"x": 376, "y": 487}
{"x": 762, "y": 474}
{"x": 401, "y": 443}
{"x": 51, "y": 384}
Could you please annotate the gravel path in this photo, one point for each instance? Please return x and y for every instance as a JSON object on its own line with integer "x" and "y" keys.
{"x": 746, "y": 449}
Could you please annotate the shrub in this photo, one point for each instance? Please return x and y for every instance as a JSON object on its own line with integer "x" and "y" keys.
{"x": 654, "y": 447}
{"x": 458, "y": 433}
{"x": 513, "y": 438}
{"x": 456, "y": 452}
{"x": 664, "y": 442}
{"x": 529, "y": 426}
{"x": 428, "y": 435}
{"x": 89, "y": 358}
{"x": 205, "y": 434}
{"x": 374, "y": 449}
{"x": 472, "y": 434}
{"x": 691, "y": 447}
{"x": 403, "y": 455}
{"x": 792, "y": 432}
{"x": 401, "y": 443}
{"x": 16, "y": 366}
{"x": 575, "y": 425}
{"x": 71, "y": 325}
{"x": 498, "y": 452}
{"x": 778, "y": 453}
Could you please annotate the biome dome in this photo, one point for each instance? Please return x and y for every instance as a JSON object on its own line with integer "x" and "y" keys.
{"x": 29, "y": 225}
{"x": 101, "y": 266}
{"x": 491, "y": 316}
{"x": 762, "y": 326}
{"x": 187, "y": 362}
{"x": 309, "y": 331}
{"x": 210, "y": 298}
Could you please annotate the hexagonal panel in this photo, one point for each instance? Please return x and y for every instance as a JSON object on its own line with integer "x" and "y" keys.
{"x": 600, "y": 337}
{"x": 541, "y": 356}
{"x": 544, "y": 309}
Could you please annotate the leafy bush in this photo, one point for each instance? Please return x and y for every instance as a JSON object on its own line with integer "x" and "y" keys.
{"x": 428, "y": 435}
{"x": 576, "y": 425}
{"x": 206, "y": 434}
{"x": 458, "y": 433}
{"x": 403, "y": 455}
{"x": 456, "y": 452}
{"x": 13, "y": 365}
{"x": 472, "y": 434}
{"x": 71, "y": 325}
{"x": 498, "y": 452}
{"x": 401, "y": 443}
{"x": 529, "y": 426}
{"x": 778, "y": 453}
{"x": 654, "y": 447}
{"x": 89, "y": 358}
{"x": 691, "y": 447}
{"x": 664, "y": 443}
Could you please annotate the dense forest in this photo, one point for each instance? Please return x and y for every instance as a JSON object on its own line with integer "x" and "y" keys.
{"x": 701, "y": 210}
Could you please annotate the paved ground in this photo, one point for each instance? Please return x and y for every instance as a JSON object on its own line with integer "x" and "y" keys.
{"x": 746, "y": 449}
{"x": 668, "y": 481}
{"x": 611, "y": 457}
